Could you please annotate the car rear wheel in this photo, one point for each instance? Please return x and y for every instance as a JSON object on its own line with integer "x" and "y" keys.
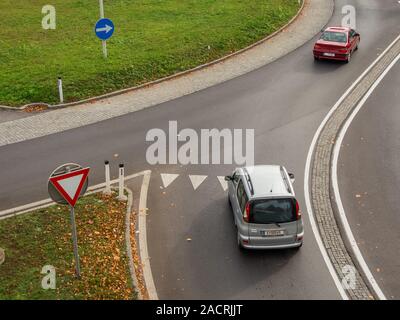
{"x": 298, "y": 248}
{"x": 239, "y": 242}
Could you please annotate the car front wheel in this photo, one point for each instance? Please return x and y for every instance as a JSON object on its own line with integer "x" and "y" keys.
{"x": 348, "y": 58}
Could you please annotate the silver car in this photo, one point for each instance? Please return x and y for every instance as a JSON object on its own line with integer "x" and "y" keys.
{"x": 265, "y": 209}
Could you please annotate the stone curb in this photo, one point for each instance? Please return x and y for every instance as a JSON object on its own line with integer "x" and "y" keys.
{"x": 322, "y": 196}
{"x": 132, "y": 271}
{"x": 177, "y": 75}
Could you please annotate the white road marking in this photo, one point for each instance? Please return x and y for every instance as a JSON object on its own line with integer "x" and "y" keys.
{"x": 49, "y": 202}
{"x": 143, "y": 248}
{"x": 197, "y": 180}
{"x": 224, "y": 184}
{"x": 168, "y": 178}
{"x": 307, "y": 174}
{"x": 342, "y": 213}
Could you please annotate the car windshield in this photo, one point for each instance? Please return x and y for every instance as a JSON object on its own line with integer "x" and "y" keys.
{"x": 273, "y": 211}
{"x": 334, "y": 36}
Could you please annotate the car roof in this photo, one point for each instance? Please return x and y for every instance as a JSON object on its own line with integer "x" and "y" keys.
{"x": 268, "y": 181}
{"x": 338, "y": 29}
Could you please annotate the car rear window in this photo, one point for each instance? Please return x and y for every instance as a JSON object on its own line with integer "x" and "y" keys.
{"x": 334, "y": 36}
{"x": 273, "y": 211}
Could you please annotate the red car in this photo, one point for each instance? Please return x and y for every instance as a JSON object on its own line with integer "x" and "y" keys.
{"x": 336, "y": 43}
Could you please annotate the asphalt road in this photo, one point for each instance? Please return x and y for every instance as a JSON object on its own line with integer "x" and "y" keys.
{"x": 284, "y": 102}
{"x": 369, "y": 182}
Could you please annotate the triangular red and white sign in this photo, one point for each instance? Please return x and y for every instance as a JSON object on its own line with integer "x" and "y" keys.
{"x": 70, "y": 185}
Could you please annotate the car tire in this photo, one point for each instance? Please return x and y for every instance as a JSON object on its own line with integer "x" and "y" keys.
{"x": 348, "y": 58}
{"x": 239, "y": 243}
{"x": 298, "y": 248}
{"x": 316, "y": 58}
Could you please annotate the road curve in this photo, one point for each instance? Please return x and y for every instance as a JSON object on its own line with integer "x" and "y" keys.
{"x": 284, "y": 102}
{"x": 370, "y": 152}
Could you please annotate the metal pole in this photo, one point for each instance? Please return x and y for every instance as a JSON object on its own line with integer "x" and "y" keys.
{"x": 107, "y": 190}
{"x": 104, "y": 43}
{"x": 75, "y": 241}
{"x": 101, "y": 3}
{"x": 60, "y": 90}
{"x": 121, "y": 196}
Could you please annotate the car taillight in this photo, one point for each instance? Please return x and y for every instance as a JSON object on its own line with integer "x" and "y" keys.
{"x": 298, "y": 213}
{"x": 342, "y": 50}
{"x": 246, "y": 216}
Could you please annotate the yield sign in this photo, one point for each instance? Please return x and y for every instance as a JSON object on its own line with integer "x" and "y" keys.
{"x": 70, "y": 185}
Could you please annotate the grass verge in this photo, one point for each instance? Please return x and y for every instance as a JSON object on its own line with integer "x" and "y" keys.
{"x": 153, "y": 39}
{"x": 43, "y": 237}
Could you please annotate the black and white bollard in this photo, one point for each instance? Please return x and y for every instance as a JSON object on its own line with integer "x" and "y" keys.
{"x": 60, "y": 90}
{"x": 121, "y": 196}
{"x": 107, "y": 190}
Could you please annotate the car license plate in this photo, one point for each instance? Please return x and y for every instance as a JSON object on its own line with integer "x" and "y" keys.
{"x": 328, "y": 54}
{"x": 273, "y": 233}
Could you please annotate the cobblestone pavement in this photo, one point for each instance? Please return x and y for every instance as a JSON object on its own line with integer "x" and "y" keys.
{"x": 6, "y": 115}
{"x": 321, "y": 193}
{"x": 295, "y": 35}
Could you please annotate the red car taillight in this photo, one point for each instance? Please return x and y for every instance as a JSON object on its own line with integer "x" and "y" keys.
{"x": 246, "y": 216}
{"x": 298, "y": 212}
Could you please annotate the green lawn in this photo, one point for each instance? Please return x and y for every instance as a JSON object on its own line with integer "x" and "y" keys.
{"x": 153, "y": 39}
{"x": 43, "y": 237}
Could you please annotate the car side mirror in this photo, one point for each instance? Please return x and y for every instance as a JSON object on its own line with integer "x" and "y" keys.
{"x": 291, "y": 176}
{"x": 228, "y": 178}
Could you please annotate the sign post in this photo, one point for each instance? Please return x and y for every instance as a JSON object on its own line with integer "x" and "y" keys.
{"x": 75, "y": 241}
{"x": 104, "y": 29}
{"x": 66, "y": 184}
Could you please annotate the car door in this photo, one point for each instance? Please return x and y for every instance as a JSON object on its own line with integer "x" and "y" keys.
{"x": 233, "y": 184}
{"x": 240, "y": 208}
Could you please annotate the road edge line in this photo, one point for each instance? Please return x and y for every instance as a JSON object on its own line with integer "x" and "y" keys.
{"x": 143, "y": 248}
{"x": 308, "y": 166}
{"x": 128, "y": 244}
{"x": 342, "y": 214}
{"x": 48, "y": 202}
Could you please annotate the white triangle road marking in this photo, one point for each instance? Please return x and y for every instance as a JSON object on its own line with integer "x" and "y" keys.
{"x": 197, "y": 180}
{"x": 70, "y": 185}
{"x": 224, "y": 184}
{"x": 168, "y": 178}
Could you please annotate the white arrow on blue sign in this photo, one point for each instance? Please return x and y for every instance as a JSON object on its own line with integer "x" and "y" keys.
{"x": 104, "y": 29}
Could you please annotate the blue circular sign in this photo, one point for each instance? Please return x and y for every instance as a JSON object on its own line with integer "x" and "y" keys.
{"x": 104, "y": 29}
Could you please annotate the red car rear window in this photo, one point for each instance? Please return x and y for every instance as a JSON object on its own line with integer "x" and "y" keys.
{"x": 334, "y": 36}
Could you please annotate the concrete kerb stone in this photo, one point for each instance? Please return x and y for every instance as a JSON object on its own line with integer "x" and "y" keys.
{"x": 128, "y": 219}
{"x": 322, "y": 195}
